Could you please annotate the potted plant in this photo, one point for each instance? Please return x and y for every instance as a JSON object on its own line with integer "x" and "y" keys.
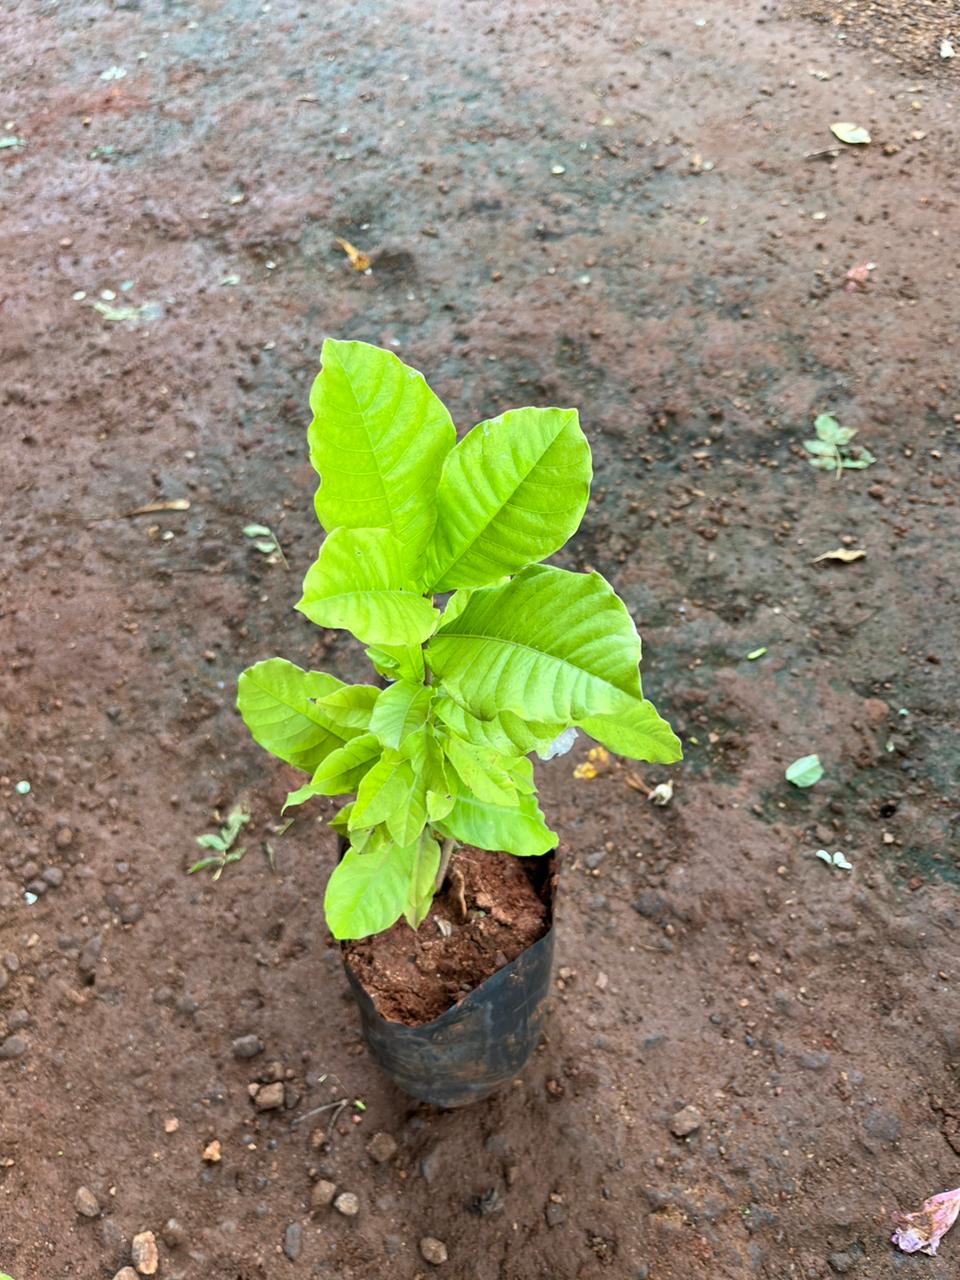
{"x": 433, "y": 561}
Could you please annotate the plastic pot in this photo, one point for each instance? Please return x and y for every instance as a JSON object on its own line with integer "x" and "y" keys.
{"x": 481, "y": 1043}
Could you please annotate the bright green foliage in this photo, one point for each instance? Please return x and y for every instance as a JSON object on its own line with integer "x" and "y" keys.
{"x": 360, "y": 582}
{"x": 550, "y": 645}
{"x": 511, "y": 493}
{"x": 832, "y": 451}
{"x": 377, "y": 439}
{"x": 278, "y": 703}
{"x": 639, "y": 732}
{"x": 401, "y": 710}
{"x": 521, "y": 654}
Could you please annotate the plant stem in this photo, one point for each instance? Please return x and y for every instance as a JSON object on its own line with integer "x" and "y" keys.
{"x": 446, "y": 853}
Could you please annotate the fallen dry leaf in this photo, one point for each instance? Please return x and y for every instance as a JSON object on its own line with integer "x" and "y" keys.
{"x": 841, "y": 554}
{"x": 356, "y": 257}
{"x": 165, "y": 504}
{"x": 921, "y": 1232}
{"x": 634, "y": 781}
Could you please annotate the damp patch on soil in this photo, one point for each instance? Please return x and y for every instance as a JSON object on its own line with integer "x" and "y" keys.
{"x": 489, "y": 913}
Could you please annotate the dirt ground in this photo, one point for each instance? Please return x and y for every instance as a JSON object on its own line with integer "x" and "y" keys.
{"x": 608, "y": 206}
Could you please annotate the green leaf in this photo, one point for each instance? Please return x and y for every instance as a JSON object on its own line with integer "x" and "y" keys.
{"x": 378, "y": 438}
{"x": 423, "y": 878}
{"x": 511, "y": 493}
{"x": 341, "y": 819}
{"x": 863, "y": 458}
{"x": 276, "y": 700}
{"x": 754, "y": 654}
{"x": 407, "y": 822}
{"x": 830, "y": 431}
{"x": 550, "y": 645}
{"x": 460, "y": 599}
{"x": 340, "y": 772}
{"x": 257, "y": 531}
{"x": 825, "y": 464}
{"x": 484, "y": 773}
{"x": 351, "y": 706}
{"x": 805, "y": 771}
{"x": 506, "y": 733}
{"x": 521, "y": 830}
{"x": 401, "y": 709}
{"x": 368, "y": 892}
{"x": 852, "y": 134}
{"x": 360, "y": 582}
{"x": 398, "y": 662}
{"x": 821, "y": 448}
{"x": 640, "y": 733}
{"x": 382, "y": 791}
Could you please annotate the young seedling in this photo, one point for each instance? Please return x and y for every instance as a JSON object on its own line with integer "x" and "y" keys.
{"x": 222, "y": 841}
{"x": 830, "y": 451}
{"x": 265, "y": 541}
{"x": 433, "y": 561}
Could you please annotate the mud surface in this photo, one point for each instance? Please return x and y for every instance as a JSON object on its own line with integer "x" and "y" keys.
{"x": 606, "y": 206}
{"x": 488, "y": 913}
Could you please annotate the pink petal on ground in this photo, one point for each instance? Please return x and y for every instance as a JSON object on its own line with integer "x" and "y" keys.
{"x": 921, "y": 1232}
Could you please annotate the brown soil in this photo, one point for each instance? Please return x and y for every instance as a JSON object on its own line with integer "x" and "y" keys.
{"x": 414, "y": 977}
{"x": 699, "y": 318}
{"x": 911, "y": 30}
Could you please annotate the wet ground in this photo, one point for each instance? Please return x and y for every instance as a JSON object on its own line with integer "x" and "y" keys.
{"x": 632, "y": 209}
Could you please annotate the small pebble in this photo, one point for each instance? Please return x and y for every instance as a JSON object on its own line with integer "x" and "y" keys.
{"x": 53, "y": 876}
{"x": 381, "y": 1148}
{"x": 270, "y": 1097}
{"x": 127, "y": 1273}
{"x": 247, "y": 1047}
{"x": 131, "y": 912}
{"x": 146, "y": 1258}
{"x": 212, "y": 1153}
{"x": 12, "y": 1047}
{"x": 686, "y": 1121}
{"x": 293, "y": 1241}
{"x": 347, "y": 1204}
{"x": 555, "y": 1214}
{"x": 86, "y": 1203}
{"x": 433, "y": 1251}
{"x": 173, "y": 1234}
{"x": 321, "y": 1195}
{"x": 64, "y": 838}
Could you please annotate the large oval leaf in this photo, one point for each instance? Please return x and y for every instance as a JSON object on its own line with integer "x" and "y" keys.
{"x": 550, "y": 645}
{"x": 511, "y": 493}
{"x": 483, "y": 772}
{"x": 384, "y": 790}
{"x": 505, "y": 733}
{"x": 640, "y": 732}
{"x": 340, "y": 773}
{"x": 368, "y": 892}
{"x": 360, "y": 581}
{"x": 378, "y": 438}
{"x": 401, "y": 709}
{"x": 423, "y": 880}
{"x": 350, "y": 707}
{"x": 276, "y": 700}
{"x": 521, "y": 830}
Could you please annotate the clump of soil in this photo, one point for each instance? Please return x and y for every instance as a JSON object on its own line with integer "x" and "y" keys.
{"x": 487, "y": 915}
